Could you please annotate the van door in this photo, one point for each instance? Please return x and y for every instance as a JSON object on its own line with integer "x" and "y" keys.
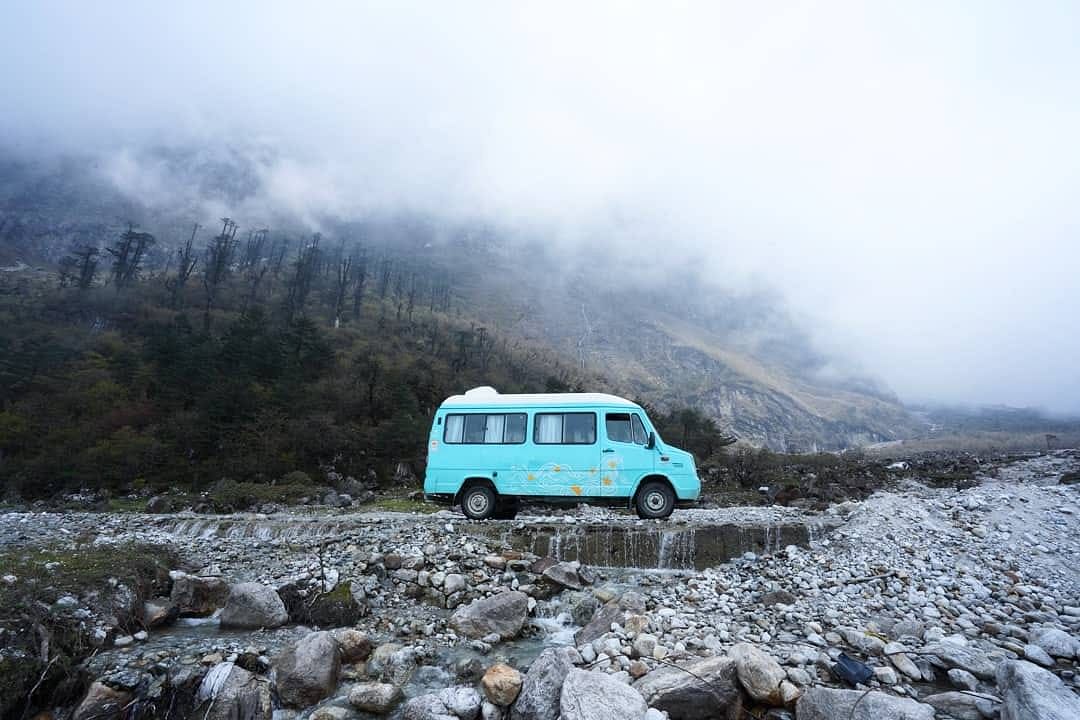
{"x": 564, "y": 458}
{"x": 625, "y": 457}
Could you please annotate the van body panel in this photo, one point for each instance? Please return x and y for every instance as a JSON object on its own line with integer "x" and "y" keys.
{"x": 559, "y": 456}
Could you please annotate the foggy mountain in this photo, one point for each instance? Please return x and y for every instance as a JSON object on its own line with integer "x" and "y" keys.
{"x": 672, "y": 337}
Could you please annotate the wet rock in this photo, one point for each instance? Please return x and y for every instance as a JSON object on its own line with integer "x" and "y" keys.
{"x": 159, "y": 612}
{"x": 894, "y": 651}
{"x": 501, "y": 684}
{"x": 462, "y": 703}
{"x": 820, "y": 703}
{"x": 196, "y": 596}
{"x": 307, "y": 671}
{"x": 705, "y": 689}
{"x": 160, "y": 504}
{"x": 229, "y": 692}
{"x": 541, "y": 688}
{"x": 598, "y": 696}
{"x": 963, "y": 680}
{"x": 337, "y": 608}
{"x": 503, "y": 613}
{"x": 102, "y": 702}
{"x": 251, "y": 605}
{"x": 759, "y": 674}
{"x": 1030, "y": 693}
{"x": 391, "y": 662}
{"x": 375, "y": 697}
{"x": 616, "y": 610}
{"x": 1037, "y": 655}
{"x": 565, "y": 575}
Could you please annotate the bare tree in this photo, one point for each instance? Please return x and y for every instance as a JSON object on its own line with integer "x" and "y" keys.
{"x": 80, "y": 267}
{"x": 307, "y": 265}
{"x": 187, "y": 260}
{"x": 128, "y": 253}
{"x": 359, "y": 280}
{"x": 218, "y": 265}
{"x": 343, "y": 276}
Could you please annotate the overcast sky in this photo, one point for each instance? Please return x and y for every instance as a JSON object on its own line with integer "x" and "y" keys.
{"x": 906, "y": 174}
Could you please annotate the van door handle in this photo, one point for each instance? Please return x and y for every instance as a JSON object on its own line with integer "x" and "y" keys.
{"x": 608, "y": 450}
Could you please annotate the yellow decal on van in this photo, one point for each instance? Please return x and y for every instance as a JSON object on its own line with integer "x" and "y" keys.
{"x": 576, "y": 489}
{"x": 530, "y": 476}
{"x": 556, "y": 468}
{"x": 607, "y": 480}
{"x": 612, "y": 464}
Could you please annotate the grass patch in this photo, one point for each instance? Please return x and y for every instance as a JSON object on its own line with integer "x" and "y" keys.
{"x": 109, "y": 580}
{"x": 127, "y": 504}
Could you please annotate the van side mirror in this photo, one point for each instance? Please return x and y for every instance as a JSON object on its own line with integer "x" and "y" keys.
{"x": 652, "y": 441}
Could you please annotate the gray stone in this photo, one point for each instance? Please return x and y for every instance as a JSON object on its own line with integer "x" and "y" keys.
{"x": 375, "y": 697}
{"x": 102, "y": 702}
{"x": 1056, "y": 643}
{"x": 759, "y": 673}
{"x": 307, "y": 671}
{"x": 949, "y": 655}
{"x": 251, "y": 605}
{"x": 197, "y": 596}
{"x": 1030, "y": 693}
{"x": 704, "y": 689}
{"x": 565, "y": 574}
{"x": 503, "y": 613}
{"x": 821, "y": 703}
{"x": 598, "y": 696}
{"x": 963, "y": 680}
{"x": 541, "y": 687}
{"x": 962, "y": 705}
{"x": 1036, "y": 654}
{"x": 229, "y": 692}
{"x": 456, "y": 703}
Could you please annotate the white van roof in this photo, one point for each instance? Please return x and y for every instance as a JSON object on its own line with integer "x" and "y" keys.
{"x": 485, "y": 396}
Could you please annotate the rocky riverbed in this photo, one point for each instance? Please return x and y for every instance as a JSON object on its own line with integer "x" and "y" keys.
{"x": 951, "y": 603}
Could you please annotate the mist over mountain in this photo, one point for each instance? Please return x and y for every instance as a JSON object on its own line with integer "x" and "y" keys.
{"x": 898, "y": 182}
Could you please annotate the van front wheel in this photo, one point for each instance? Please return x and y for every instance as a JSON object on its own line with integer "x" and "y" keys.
{"x": 655, "y": 500}
{"x": 478, "y": 502}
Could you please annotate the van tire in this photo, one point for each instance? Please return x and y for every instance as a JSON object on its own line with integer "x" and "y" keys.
{"x": 479, "y": 502}
{"x": 654, "y": 500}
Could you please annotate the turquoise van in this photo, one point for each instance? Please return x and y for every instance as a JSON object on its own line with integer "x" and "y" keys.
{"x": 488, "y": 451}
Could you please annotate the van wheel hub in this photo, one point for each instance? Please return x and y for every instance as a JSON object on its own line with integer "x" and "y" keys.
{"x": 478, "y": 503}
{"x": 655, "y": 501}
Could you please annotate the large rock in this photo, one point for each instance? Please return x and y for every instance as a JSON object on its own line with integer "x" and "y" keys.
{"x": 196, "y": 596}
{"x": 541, "y": 688}
{"x": 963, "y": 705}
{"x": 598, "y": 696}
{"x": 456, "y": 703}
{"x": 613, "y": 611}
{"x": 307, "y": 671}
{"x": 229, "y": 692}
{"x": 700, "y": 690}
{"x": 759, "y": 673}
{"x": 565, "y": 575}
{"x": 102, "y": 702}
{"x": 1056, "y": 643}
{"x": 502, "y": 614}
{"x": 501, "y": 684}
{"x": 953, "y": 655}
{"x": 821, "y": 703}
{"x": 375, "y": 697}
{"x": 253, "y": 606}
{"x": 1030, "y": 693}
{"x": 355, "y": 646}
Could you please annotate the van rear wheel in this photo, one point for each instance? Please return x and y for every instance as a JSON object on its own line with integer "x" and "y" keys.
{"x": 654, "y": 500}
{"x": 478, "y": 502}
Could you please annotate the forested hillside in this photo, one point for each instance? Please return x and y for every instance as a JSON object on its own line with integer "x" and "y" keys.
{"x": 254, "y": 359}
{"x": 142, "y": 341}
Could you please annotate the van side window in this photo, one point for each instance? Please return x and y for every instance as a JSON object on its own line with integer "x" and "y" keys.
{"x": 565, "y": 429}
{"x": 640, "y": 436}
{"x": 618, "y": 427}
{"x": 485, "y": 429}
